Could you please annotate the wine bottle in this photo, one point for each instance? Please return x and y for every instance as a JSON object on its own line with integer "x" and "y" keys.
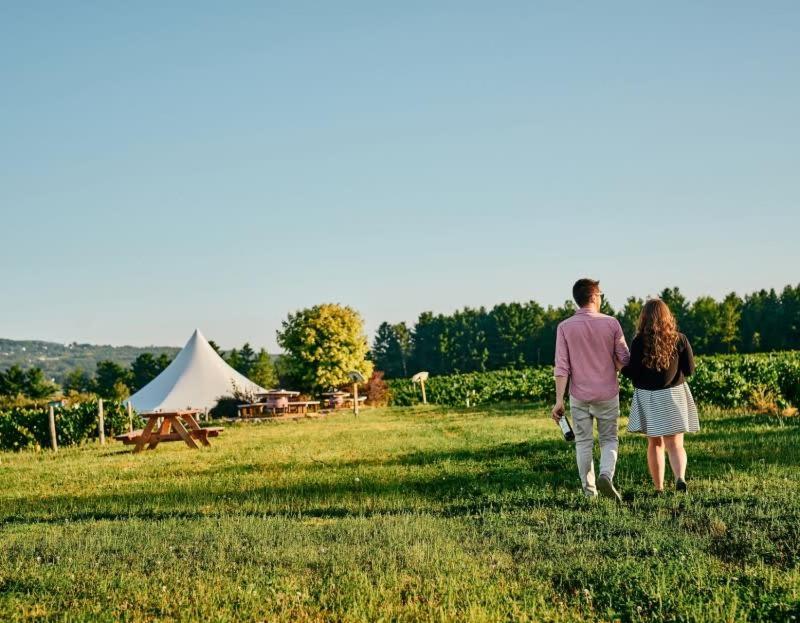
{"x": 563, "y": 423}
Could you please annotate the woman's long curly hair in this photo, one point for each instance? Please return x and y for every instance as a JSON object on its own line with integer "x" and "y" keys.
{"x": 659, "y": 334}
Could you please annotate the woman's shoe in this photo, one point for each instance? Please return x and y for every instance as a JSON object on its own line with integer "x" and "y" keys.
{"x": 680, "y": 485}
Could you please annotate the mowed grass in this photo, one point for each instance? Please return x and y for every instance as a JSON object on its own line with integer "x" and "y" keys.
{"x": 403, "y": 514}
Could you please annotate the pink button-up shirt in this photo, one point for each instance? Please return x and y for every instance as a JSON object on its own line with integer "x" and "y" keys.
{"x": 586, "y": 344}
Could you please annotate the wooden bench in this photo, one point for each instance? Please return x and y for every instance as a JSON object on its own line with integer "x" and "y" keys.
{"x": 130, "y": 439}
{"x": 250, "y": 410}
{"x": 348, "y": 402}
{"x": 302, "y": 406}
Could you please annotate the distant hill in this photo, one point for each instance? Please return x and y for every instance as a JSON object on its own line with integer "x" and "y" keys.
{"x": 56, "y": 360}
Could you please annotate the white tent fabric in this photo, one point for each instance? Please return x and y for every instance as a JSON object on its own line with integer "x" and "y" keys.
{"x": 195, "y": 379}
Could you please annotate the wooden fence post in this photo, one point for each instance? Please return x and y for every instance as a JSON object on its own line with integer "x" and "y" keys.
{"x": 52, "y": 418}
{"x": 424, "y": 398}
{"x": 101, "y": 422}
{"x": 130, "y": 417}
{"x": 355, "y": 398}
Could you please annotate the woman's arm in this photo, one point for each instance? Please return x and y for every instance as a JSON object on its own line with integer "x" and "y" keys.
{"x": 687, "y": 358}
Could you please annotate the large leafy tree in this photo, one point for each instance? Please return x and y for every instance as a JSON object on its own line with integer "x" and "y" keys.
{"x": 391, "y": 349}
{"x": 513, "y": 331}
{"x": 246, "y": 359}
{"x": 12, "y": 382}
{"x": 430, "y": 344}
{"x": 790, "y": 308}
{"x": 111, "y": 380}
{"x": 262, "y": 371}
{"x": 31, "y": 383}
{"x": 679, "y": 306}
{"x": 629, "y": 317}
{"x": 704, "y": 326}
{"x": 37, "y": 385}
{"x": 730, "y": 318}
{"x": 323, "y": 344}
{"x": 77, "y": 380}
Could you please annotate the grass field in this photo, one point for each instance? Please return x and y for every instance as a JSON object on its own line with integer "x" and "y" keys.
{"x": 403, "y": 514}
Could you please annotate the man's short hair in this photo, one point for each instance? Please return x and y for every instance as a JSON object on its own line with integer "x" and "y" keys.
{"x": 583, "y": 289}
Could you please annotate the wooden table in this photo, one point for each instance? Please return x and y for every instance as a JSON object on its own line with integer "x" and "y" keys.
{"x": 277, "y": 400}
{"x": 175, "y": 425}
{"x": 335, "y": 399}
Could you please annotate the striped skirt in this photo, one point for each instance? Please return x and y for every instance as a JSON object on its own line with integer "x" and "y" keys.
{"x": 663, "y": 412}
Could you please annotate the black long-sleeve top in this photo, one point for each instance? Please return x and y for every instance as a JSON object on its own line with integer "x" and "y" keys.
{"x": 642, "y": 377}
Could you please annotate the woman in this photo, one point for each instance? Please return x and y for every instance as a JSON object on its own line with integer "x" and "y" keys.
{"x": 662, "y": 406}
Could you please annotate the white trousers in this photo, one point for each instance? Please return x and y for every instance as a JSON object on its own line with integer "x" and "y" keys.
{"x": 606, "y": 412}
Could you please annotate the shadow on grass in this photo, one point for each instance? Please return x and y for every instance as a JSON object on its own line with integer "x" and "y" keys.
{"x": 475, "y": 480}
{"x": 461, "y": 481}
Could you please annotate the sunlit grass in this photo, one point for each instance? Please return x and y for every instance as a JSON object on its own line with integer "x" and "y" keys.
{"x": 409, "y": 514}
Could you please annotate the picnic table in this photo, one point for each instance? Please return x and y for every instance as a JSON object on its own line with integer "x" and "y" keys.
{"x": 277, "y": 399}
{"x": 170, "y": 426}
{"x": 335, "y": 399}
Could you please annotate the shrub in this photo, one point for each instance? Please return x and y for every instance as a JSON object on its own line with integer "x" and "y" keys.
{"x": 28, "y": 427}
{"x": 727, "y": 381}
{"x": 376, "y": 390}
{"x": 227, "y": 407}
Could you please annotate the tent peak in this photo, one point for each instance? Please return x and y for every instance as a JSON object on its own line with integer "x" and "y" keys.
{"x": 196, "y": 378}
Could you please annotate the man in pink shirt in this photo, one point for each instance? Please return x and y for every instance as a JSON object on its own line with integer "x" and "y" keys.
{"x": 590, "y": 348}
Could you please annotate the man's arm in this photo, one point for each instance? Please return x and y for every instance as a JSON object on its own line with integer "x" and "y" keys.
{"x": 561, "y": 388}
{"x": 561, "y": 373}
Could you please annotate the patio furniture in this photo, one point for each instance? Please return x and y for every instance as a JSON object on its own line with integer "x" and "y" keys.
{"x": 335, "y": 399}
{"x": 277, "y": 400}
{"x": 303, "y": 406}
{"x": 172, "y": 426}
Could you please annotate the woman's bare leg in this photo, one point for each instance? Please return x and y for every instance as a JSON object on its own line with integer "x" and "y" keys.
{"x": 677, "y": 455}
{"x": 655, "y": 461}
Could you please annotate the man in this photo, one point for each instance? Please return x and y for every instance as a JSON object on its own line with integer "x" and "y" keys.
{"x": 590, "y": 348}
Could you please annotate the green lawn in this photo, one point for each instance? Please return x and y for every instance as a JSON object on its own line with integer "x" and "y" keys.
{"x": 402, "y": 514}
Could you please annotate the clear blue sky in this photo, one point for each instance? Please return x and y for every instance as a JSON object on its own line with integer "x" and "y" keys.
{"x": 222, "y": 164}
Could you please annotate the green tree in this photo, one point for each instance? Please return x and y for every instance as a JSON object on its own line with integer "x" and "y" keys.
{"x": 629, "y": 317}
{"x": 467, "y": 339}
{"x": 12, "y": 382}
{"x": 752, "y": 322}
{"x": 111, "y": 380}
{"x": 216, "y": 348}
{"x": 679, "y": 306}
{"x": 30, "y": 383}
{"x": 704, "y": 326}
{"x": 790, "y": 307}
{"x": 391, "y": 349}
{"x": 263, "y": 372}
{"x": 430, "y": 344}
{"x": 730, "y": 331}
{"x": 323, "y": 345}
{"x": 233, "y": 359}
{"x": 36, "y": 385}
{"x": 246, "y": 360}
{"x": 145, "y": 368}
{"x": 77, "y": 380}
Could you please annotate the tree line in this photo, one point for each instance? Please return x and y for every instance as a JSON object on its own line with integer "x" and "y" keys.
{"x": 515, "y": 335}
{"x": 114, "y": 381}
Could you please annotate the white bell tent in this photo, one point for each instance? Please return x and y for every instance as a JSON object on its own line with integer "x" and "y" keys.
{"x": 195, "y": 379}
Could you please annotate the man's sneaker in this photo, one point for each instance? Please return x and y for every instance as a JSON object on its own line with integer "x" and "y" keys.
{"x": 606, "y": 488}
{"x": 680, "y": 485}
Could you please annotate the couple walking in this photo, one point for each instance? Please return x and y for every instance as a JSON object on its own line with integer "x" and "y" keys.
{"x": 590, "y": 350}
